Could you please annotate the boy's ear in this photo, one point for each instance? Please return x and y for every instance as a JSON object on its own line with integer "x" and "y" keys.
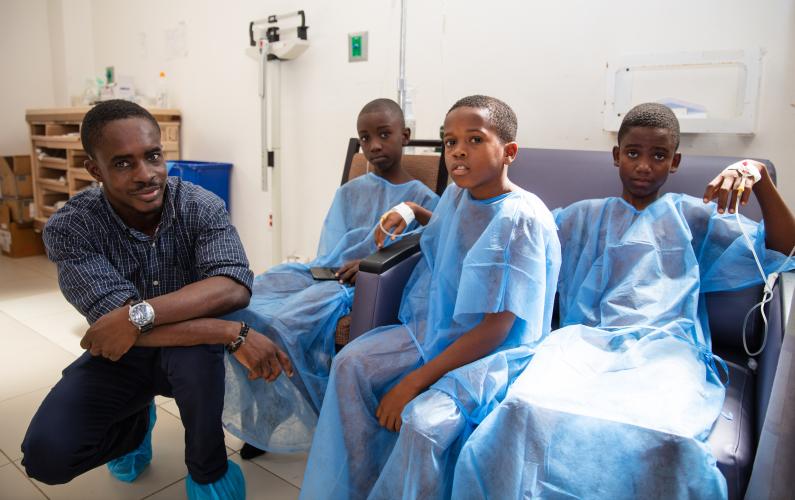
{"x": 406, "y": 135}
{"x": 615, "y": 155}
{"x": 675, "y": 163}
{"x": 93, "y": 169}
{"x": 509, "y": 152}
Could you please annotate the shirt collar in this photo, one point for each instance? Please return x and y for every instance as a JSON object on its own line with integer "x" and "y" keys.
{"x": 167, "y": 215}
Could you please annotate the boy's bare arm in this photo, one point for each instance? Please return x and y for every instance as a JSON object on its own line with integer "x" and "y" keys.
{"x": 779, "y": 220}
{"x": 394, "y": 223}
{"x": 473, "y": 345}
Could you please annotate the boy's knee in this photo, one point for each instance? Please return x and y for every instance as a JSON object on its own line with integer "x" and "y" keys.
{"x": 435, "y": 416}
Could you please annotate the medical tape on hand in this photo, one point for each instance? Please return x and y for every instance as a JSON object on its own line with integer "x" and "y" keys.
{"x": 746, "y": 168}
{"x": 405, "y": 212}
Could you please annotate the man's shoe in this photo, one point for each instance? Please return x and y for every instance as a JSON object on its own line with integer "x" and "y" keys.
{"x": 250, "y": 451}
{"x": 128, "y": 467}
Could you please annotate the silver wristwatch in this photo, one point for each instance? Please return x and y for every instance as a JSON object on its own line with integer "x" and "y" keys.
{"x": 142, "y": 316}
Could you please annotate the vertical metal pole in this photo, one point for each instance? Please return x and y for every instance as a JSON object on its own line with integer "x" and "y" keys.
{"x": 402, "y": 72}
{"x": 263, "y": 64}
{"x": 274, "y": 151}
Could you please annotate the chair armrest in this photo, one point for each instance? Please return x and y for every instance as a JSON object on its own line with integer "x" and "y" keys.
{"x": 379, "y": 285}
{"x": 775, "y": 455}
{"x": 387, "y": 258}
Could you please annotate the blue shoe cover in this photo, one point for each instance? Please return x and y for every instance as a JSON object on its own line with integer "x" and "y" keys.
{"x": 231, "y": 486}
{"x": 128, "y": 467}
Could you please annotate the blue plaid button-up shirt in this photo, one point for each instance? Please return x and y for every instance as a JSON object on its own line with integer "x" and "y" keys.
{"x": 103, "y": 263}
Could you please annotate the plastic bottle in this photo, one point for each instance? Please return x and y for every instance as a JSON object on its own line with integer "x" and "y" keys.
{"x": 161, "y": 98}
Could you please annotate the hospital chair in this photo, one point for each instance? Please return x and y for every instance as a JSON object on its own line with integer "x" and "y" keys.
{"x": 757, "y": 427}
{"x": 428, "y": 168}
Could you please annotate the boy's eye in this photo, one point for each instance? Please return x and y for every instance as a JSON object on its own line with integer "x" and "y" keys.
{"x": 362, "y": 139}
{"x": 476, "y": 139}
{"x": 632, "y": 154}
{"x": 155, "y": 157}
{"x": 122, "y": 164}
{"x": 449, "y": 143}
{"x": 384, "y": 135}
{"x": 659, "y": 156}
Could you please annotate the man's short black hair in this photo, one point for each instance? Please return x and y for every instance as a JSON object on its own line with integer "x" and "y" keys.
{"x": 384, "y": 105}
{"x": 501, "y": 117}
{"x": 650, "y": 115}
{"x": 106, "y": 112}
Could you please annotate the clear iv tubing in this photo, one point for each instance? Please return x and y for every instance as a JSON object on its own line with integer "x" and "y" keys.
{"x": 767, "y": 295}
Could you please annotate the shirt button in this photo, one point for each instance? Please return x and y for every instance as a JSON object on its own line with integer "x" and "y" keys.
{"x": 153, "y": 244}
{"x": 155, "y": 283}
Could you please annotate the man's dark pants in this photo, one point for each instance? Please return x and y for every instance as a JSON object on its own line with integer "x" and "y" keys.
{"x": 99, "y": 411}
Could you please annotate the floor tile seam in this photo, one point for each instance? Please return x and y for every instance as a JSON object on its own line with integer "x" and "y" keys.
{"x": 164, "y": 487}
{"x": 18, "y": 466}
{"x": 273, "y": 474}
{"x": 28, "y": 393}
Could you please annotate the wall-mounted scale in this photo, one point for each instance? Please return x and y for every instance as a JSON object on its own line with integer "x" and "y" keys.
{"x": 273, "y": 44}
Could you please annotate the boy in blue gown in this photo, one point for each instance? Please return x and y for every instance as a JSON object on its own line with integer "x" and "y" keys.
{"x": 301, "y": 314}
{"x": 619, "y": 401}
{"x": 481, "y": 294}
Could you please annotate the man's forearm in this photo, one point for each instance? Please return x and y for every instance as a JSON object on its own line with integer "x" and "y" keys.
{"x": 190, "y": 333}
{"x": 779, "y": 221}
{"x": 206, "y": 298}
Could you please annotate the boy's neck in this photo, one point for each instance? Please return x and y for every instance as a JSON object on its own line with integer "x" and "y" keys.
{"x": 640, "y": 203}
{"x": 395, "y": 175}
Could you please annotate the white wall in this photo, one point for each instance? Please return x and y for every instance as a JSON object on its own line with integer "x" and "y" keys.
{"x": 26, "y": 76}
{"x": 545, "y": 59}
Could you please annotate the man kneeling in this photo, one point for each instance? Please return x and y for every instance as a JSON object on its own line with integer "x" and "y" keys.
{"x": 149, "y": 261}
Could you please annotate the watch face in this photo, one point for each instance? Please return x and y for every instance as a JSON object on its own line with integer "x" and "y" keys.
{"x": 142, "y": 314}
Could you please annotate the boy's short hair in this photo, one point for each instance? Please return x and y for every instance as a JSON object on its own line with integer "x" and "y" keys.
{"x": 501, "y": 117}
{"x": 650, "y": 115}
{"x": 106, "y": 112}
{"x": 384, "y": 105}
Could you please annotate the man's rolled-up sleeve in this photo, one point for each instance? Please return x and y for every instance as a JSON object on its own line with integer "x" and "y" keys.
{"x": 219, "y": 251}
{"x": 87, "y": 279}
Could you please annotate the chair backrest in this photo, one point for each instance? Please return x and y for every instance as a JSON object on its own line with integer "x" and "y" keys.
{"x": 427, "y": 168}
{"x": 562, "y": 176}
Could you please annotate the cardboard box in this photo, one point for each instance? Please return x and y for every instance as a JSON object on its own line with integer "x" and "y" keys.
{"x": 15, "y": 177}
{"x": 18, "y": 240}
{"x": 19, "y": 208}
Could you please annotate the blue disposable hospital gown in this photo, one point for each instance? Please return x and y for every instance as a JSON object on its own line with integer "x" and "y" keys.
{"x": 478, "y": 257}
{"x": 619, "y": 401}
{"x": 301, "y": 315}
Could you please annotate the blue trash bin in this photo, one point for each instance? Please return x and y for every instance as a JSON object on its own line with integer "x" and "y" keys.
{"x": 209, "y": 175}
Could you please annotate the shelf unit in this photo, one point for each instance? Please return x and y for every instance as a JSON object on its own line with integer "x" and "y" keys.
{"x": 57, "y": 154}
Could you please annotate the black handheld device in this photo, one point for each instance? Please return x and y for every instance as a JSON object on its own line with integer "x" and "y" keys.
{"x": 323, "y": 273}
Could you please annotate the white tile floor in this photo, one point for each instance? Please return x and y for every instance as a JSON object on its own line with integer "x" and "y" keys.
{"x": 39, "y": 335}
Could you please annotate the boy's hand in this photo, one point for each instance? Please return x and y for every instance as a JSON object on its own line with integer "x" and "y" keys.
{"x": 392, "y": 222}
{"x": 262, "y": 358}
{"x": 111, "y": 336}
{"x": 731, "y": 182}
{"x": 348, "y": 272}
{"x": 392, "y": 404}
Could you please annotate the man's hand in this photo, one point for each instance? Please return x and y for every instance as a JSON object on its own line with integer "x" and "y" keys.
{"x": 730, "y": 183}
{"x": 392, "y": 404}
{"x": 111, "y": 336}
{"x": 347, "y": 272}
{"x": 262, "y": 358}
